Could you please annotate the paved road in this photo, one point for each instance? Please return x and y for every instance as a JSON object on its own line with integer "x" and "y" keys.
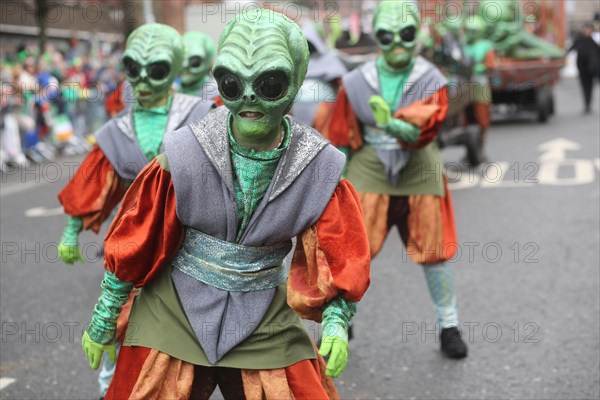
{"x": 527, "y": 277}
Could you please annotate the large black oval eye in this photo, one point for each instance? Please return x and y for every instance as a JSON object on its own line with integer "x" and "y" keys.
{"x": 408, "y": 34}
{"x": 229, "y": 85}
{"x": 195, "y": 61}
{"x": 385, "y": 37}
{"x": 272, "y": 86}
{"x": 132, "y": 68}
{"x": 158, "y": 70}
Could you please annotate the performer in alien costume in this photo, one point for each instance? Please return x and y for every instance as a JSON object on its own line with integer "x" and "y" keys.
{"x": 127, "y": 142}
{"x": 195, "y": 74}
{"x": 213, "y": 218}
{"x": 396, "y": 166}
{"x": 481, "y": 52}
{"x": 319, "y": 91}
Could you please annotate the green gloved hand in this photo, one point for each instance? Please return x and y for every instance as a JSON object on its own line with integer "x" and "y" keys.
{"x": 336, "y": 319}
{"x": 68, "y": 248}
{"x": 398, "y": 128}
{"x": 381, "y": 111}
{"x": 406, "y": 131}
{"x": 100, "y": 333}
{"x": 335, "y": 347}
{"x": 70, "y": 254}
{"x": 93, "y": 351}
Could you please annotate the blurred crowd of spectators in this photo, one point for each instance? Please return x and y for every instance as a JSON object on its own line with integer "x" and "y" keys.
{"x": 52, "y": 102}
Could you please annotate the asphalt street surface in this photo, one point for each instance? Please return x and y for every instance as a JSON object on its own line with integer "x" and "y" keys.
{"x": 527, "y": 278}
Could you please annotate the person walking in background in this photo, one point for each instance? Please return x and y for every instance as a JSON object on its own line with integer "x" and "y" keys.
{"x": 588, "y": 63}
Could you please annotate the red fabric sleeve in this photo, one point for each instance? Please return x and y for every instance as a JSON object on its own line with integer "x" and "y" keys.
{"x": 93, "y": 192}
{"x": 114, "y": 102}
{"x": 428, "y": 114}
{"x": 146, "y": 233}
{"x": 490, "y": 60}
{"x": 332, "y": 257}
{"x": 343, "y": 129}
{"x": 218, "y": 102}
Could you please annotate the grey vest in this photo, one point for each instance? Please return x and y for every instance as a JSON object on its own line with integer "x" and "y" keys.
{"x": 423, "y": 81}
{"x": 119, "y": 144}
{"x": 323, "y": 67}
{"x": 201, "y": 170}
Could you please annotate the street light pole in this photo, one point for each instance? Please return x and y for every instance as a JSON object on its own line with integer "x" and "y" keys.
{"x": 148, "y": 12}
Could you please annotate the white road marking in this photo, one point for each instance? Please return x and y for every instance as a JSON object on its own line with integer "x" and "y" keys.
{"x": 4, "y": 382}
{"x": 555, "y": 149}
{"x": 21, "y": 187}
{"x": 44, "y": 212}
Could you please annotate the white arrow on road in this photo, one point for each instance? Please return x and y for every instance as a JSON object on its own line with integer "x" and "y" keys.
{"x": 555, "y": 149}
{"x": 43, "y": 212}
{"x": 4, "y": 382}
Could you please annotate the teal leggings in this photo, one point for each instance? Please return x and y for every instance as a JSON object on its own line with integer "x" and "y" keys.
{"x": 441, "y": 288}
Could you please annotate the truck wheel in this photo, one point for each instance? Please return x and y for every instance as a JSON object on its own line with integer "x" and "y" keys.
{"x": 544, "y": 99}
{"x": 474, "y": 156}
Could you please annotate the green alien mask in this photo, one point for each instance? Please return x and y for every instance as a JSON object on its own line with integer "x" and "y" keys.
{"x": 262, "y": 61}
{"x": 396, "y": 24}
{"x": 199, "y": 56}
{"x": 474, "y": 28}
{"x": 153, "y": 57}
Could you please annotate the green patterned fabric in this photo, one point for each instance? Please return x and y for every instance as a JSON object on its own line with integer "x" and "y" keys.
{"x": 114, "y": 294}
{"x": 150, "y": 124}
{"x": 71, "y": 232}
{"x": 253, "y": 172}
{"x": 336, "y": 318}
{"x": 392, "y": 81}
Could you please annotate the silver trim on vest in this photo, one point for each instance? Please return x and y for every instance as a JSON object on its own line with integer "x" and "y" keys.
{"x": 180, "y": 108}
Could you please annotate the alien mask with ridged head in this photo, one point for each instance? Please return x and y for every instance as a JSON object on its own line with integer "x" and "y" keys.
{"x": 152, "y": 59}
{"x": 262, "y": 62}
{"x": 474, "y": 28}
{"x": 199, "y": 56}
{"x": 396, "y": 24}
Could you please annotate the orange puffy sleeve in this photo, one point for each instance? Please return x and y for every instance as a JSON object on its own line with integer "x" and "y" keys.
{"x": 332, "y": 257}
{"x": 95, "y": 190}
{"x": 146, "y": 233}
{"x": 490, "y": 60}
{"x": 427, "y": 114}
{"x": 343, "y": 129}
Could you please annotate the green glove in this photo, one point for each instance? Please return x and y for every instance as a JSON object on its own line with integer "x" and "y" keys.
{"x": 403, "y": 130}
{"x": 381, "y": 111}
{"x": 93, "y": 351}
{"x": 336, "y": 319}
{"x": 406, "y": 131}
{"x": 70, "y": 254}
{"x": 68, "y": 248}
{"x": 100, "y": 334}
